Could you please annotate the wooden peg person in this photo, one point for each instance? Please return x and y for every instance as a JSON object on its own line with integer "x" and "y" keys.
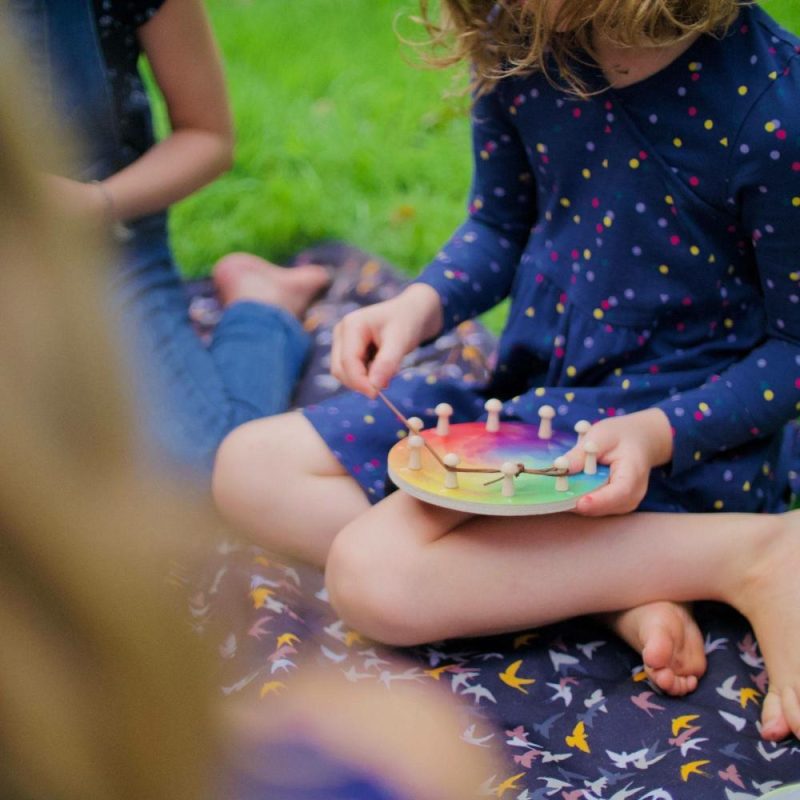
{"x": 416, "y": 424}
{"x": 443, "y": 413}
{"x": 546, "y": 414}
{"x": 562, "y": 481}
{"x": 509, "y": 470}
{"x": 493, "y": 406}
{"x": 582, "y": 428}
{"x": 450, "y": 476}
{"x": 415, "y": 445}
{"x": 590, "y": 462}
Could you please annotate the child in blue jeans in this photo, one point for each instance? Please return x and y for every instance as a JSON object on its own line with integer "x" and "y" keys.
{"x": 85, "y": 54}
{"x": 637, "y": 195}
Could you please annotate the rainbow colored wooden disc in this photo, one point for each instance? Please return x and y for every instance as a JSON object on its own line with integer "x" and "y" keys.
{"x": 476, "y": 447}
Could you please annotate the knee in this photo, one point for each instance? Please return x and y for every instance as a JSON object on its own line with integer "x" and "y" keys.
{"x": 373, "y": 591}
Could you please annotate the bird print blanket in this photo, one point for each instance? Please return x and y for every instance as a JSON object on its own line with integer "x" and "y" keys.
{"x": 568, "y": 706}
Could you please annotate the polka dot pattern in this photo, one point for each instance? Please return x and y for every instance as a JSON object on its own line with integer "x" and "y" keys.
{"x": 649, "y": 245}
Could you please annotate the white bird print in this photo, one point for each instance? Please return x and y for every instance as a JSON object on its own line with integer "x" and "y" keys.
{"x": 377, "y": 662}
{"x": 291, "y": 572}
{"x": 480, "y": 693}
{"x": 777, "y": 752}
{"x": 260, "y": 580}
{"x": 337, "y": 658}
{"x": 692, "y": 744}
{"x": 462, "y": 679}
{"x": 563, "y": 692}
{"x": 387, "y": 678}
{"x": 283, "y": 664}
{"x": 641, "y": 759}
{"x": 596, "y": 699}
{"x": 737, "y": 722}
{"x": 712, "y": 645}
{"x": 470, "y": 737}
{"x": 353, "y": 675}
{"x": 562, "y": 660}
{"x": 620, "y": 794}
{"x": 727, "y": 691}
{"x": 589, "y": 648}
{"x": 547, "y": 757}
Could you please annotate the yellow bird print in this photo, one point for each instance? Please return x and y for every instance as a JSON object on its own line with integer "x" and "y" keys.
{"x": 679, "y": 723}
{"x": 524, "y": 639}
{"x": 508, "y": 783}
{"x": 640, "y": 675}
{"x": 510, "y": 678}
{"x": 351, "y": 637}
{"x": 271, "y": 687}
{"x": 260, "y": 596}
{"x": 437, "y": 672}
{"x": 264, "y": 562}
{"x": 578, "y": 738}
{"x": 287, "y": 638}
{"x": 747, "y": 694}
{"x": 693, "y": 768}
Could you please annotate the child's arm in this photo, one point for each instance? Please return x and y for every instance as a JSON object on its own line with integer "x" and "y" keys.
{"x": 474, "y": 271}
{"x": 758, "y": 394}
{"x": 180, "y": 48}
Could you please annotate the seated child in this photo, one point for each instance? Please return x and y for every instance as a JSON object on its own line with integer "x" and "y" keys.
{"x": 86, "y": 56}
{"x": 637, "y": 195}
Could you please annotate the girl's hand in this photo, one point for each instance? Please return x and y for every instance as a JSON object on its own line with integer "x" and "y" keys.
{"x": 631, "y": 446}
{"x": 369, "y": 344}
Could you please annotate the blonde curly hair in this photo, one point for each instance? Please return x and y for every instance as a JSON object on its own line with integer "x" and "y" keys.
{"x": 501, "y": 38}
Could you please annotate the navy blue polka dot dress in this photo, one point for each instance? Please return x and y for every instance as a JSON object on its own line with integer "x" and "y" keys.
{"x": 649, "y": 239}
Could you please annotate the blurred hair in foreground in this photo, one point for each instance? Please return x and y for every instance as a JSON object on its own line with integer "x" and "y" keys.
{"x": 104, "y": 693}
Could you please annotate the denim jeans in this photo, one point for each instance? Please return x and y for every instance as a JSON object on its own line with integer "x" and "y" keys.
{"x": 192, "y": 394}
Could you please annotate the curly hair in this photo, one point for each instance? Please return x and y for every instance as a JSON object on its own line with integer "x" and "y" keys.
{"x": 500, "y": 38}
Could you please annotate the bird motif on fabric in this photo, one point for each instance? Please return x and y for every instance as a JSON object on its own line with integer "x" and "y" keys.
{"x": 510, "y": 678}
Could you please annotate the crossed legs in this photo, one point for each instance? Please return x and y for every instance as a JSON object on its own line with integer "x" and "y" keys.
{"x": 404, "y": 572}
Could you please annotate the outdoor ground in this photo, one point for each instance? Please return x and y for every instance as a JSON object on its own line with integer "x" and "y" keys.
{"x": 338, "y": 135}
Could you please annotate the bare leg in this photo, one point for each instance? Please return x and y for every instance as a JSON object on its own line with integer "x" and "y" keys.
{"x": 396, "y": 576}
{"x": 278, "y": 482}
{"x": 244, "y": 276}
{"x": 405, "y": 572}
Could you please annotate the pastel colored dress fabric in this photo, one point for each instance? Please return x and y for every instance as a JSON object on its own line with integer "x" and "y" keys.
{"x": 647, "y": 238}
{"x": 588, "y": 727}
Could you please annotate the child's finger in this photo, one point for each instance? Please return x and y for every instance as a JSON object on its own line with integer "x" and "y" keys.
{"x": 353, "y": 341}
{"x": 618, "y": 496}
{"x": 386, "y": 363}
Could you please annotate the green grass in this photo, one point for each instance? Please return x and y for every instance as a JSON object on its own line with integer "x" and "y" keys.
{"x": 338, "y": 135}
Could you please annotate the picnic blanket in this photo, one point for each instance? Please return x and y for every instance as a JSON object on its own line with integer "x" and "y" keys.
{"x": 588, "y": 727}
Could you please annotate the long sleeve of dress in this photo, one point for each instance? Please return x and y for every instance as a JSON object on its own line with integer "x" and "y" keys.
{"x": 474, "y": 271}
{"x": 759, "y": 394}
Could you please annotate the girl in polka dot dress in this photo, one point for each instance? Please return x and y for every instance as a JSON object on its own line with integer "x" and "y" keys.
{"x": 637, "y": 195}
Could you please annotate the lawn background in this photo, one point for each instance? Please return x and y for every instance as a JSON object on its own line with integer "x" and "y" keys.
{"x": 338, "y": 135}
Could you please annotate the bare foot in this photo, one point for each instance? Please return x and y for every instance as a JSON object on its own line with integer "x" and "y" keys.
{"x": 243, "y": 276}
{"x": 770, "y": 599}
{"x": 669, "y": 640}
